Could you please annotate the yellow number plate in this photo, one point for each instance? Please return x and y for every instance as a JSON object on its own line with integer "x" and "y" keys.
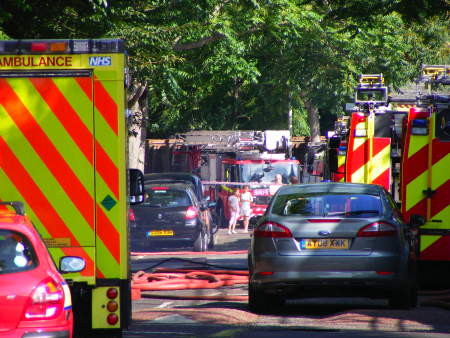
{"x": 324, "y": 243}
{"x": 160, "y": 233}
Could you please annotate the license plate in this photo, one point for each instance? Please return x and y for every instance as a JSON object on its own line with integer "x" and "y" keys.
{"x": 160, "y": 233}
{"x": 324, "y": 243}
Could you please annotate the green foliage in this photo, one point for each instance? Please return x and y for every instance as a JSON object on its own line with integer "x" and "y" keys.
{"x": 233, "y": 64}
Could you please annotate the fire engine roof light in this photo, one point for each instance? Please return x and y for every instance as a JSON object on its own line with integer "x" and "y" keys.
{"x": 360, "y": 132}
{"x": 419, "y": 127}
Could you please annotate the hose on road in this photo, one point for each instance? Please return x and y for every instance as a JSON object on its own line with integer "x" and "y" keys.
{"x": 168, "y": 279}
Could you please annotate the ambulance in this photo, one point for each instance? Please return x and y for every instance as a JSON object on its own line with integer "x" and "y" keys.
{"x": 63, "y": 153}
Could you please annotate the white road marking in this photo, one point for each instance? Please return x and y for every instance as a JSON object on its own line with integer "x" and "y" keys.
{"x": 165, "y": 304}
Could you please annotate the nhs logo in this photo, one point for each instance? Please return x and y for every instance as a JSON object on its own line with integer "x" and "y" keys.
{"x": 100, "y": 61}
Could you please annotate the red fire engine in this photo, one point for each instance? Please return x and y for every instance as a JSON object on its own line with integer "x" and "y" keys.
{"x": 226, "y": 160}
{"x": 405, "y": 150}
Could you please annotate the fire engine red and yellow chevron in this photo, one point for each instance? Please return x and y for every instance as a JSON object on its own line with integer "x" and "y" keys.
{"x": 425, "y": 186}
{"x": 368, "y": 158}
{"x": 61, "y": 137}
{"x": 338, "y": 176}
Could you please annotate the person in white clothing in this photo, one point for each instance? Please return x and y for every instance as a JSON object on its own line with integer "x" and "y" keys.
{"x": 278, "y": 182}
{"x": 246, "y": 207}
{"x": 233, "y": 207}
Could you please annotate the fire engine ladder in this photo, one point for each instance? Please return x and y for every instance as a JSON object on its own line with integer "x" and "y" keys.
{"x": 222, "y": 140}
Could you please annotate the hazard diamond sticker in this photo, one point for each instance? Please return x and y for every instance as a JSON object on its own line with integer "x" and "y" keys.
{"x": 108, "y": 202}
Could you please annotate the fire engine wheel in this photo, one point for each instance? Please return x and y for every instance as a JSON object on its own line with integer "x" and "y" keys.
{"x": 201, "y": 242}
{"x": 405, "y": 298}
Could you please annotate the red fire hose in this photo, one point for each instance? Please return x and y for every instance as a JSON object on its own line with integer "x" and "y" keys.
{"x": 164, "y": 279}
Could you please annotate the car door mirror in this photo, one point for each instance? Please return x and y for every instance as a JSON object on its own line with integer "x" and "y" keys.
{"x": 136, "y": 186}
{"x": 68, "y": 264}
{"x": 416, "y": 220}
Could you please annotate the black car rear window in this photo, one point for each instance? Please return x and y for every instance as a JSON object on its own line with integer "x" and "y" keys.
{"x": 341, "y": 205}
{"x": 16, "y": 252}
{"x": 166, "y": 197}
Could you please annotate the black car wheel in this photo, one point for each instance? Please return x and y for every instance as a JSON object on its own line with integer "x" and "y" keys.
{"x": 200, "y": 242}
{"x": 211, "y": 240}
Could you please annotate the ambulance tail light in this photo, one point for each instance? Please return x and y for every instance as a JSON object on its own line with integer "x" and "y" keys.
{"x": 112, "y": 306}
{"x": 419, "y": 127}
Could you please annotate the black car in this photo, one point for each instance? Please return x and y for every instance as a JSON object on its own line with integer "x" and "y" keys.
{"x": 196, "y": 184}
{"x": 170, "y": 213}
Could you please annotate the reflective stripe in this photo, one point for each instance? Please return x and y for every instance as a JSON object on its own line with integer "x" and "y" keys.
{"x": 18, "y": 182}
{"x": 425, "y": 168}
{"x": 64, "y": 155}
{"x": 368, "y": 158}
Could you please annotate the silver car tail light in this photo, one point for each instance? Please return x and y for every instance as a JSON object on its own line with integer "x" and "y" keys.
{"x": 273, "y": 230}
{"x": 378, "y": 229}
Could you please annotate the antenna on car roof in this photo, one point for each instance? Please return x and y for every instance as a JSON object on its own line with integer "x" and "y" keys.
{"x": 19, "y": 208}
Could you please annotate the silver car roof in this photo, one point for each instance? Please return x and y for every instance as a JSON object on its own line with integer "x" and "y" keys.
{"x": 331, "y": 187}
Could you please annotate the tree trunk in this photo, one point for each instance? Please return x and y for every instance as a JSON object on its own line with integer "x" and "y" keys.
{"x": 313, "y": 120}
{"x": 137, "y": 101}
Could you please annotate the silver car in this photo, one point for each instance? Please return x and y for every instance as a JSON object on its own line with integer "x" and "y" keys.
{"x": 332, "y": 240}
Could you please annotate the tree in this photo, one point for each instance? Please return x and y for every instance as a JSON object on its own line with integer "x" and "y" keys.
{"x": 214, "y": 64}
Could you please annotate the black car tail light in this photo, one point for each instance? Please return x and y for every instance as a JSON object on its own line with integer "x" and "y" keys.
{"x": 191, "y": 213}
{"x": 131, "y": 216}
{"x": 273, "y": 230}
{"x": 378, "y": 229}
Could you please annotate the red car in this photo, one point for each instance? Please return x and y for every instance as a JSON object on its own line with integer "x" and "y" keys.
{"x": 35, "y": 300}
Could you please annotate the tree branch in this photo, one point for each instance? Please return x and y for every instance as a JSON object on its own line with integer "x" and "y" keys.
{"x": 199, "y": 43}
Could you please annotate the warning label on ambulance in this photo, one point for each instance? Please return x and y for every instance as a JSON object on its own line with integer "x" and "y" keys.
{"x": 57, "y": 242}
